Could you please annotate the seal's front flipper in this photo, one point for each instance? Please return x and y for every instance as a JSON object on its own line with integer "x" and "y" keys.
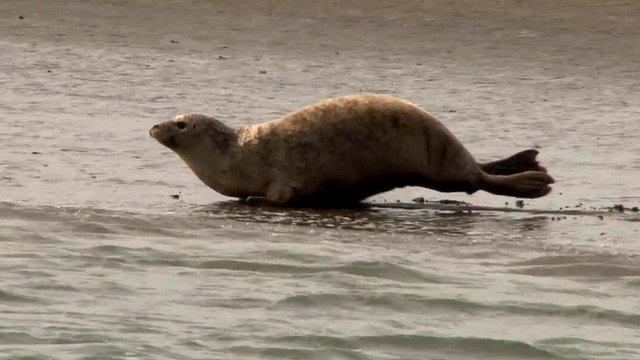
{"x": 280, "y": 193}
{"x": 520, "y": 162}
{"x": 259, "y": 201}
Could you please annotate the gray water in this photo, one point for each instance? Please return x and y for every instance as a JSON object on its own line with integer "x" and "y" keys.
{"x": 99, "y": 260}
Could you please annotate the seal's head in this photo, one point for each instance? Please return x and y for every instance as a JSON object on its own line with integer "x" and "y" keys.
{"x": 205, "y": 144}
{"x": 189, "y": 133}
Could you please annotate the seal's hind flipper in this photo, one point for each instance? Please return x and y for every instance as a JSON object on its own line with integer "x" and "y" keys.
{"x": 528, "y": 184}
{"x": 520, "y": 162}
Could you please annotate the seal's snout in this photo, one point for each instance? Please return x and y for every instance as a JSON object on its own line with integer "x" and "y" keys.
{"x": 153, "y": 130}
{"x": 165, "y": 134}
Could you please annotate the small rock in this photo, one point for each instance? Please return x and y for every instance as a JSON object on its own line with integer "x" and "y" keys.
{"x": 175, "y": 42}
{"x": 220, "y": 57}
{"x": 635, "y": 209}
{"x": 618, "y": 207}
{"x": 36, "y": 152}
{"x": 175, "y": 196}
{"x": 519, "y": 204}
{"x": 600, "y": 217}
{"x": 49, "y": 71}
{"x": 20, "y": 17}
{"x": 262, "y": 72}
{"x": 419, "y": 200}
{"x": 452, "y": 202}
{"x": 453, "y": 111}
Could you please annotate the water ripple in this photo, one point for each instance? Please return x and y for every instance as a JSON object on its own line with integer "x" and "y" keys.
{"x": 378, "y": 269}
{"x": 411, "y": 303}
{"x": 391, "y": 344}
{"x": 10, "y": 297}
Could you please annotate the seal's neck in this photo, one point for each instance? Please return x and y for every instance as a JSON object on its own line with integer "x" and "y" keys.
{"x": 211, "y": 157}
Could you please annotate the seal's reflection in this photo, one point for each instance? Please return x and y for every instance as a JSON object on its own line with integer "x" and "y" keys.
{"x": 367, "y": 217}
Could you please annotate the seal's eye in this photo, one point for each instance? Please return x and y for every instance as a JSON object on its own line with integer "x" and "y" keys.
{"x": 181, "y": 125}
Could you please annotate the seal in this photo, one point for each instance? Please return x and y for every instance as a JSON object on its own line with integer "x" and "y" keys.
{"x": 341, "y": 151}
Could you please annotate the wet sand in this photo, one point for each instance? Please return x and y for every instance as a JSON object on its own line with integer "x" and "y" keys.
{"x": 95, "y": 246}
{"x": 502, "y": 76}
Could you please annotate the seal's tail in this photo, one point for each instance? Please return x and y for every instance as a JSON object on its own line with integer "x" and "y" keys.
{"x": 520, "y": 162}
{"x": 527, "y": 184}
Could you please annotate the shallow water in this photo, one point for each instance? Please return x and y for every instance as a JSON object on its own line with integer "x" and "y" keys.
{"x": 98, "y": 259}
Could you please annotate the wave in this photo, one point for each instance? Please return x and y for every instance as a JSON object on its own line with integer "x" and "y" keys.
{"x": 409, "y": 303}
{"x": 14, "y": 299}
{"x": 281, "y": 352}
{"x": 580, "y": 270}
{"x": 375, "y": 269}
{"x": 571, "y": 259}
{"x": 17, "y": 338}
{"x": 362, "y": 347}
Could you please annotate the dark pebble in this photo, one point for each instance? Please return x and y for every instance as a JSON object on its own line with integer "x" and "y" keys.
{"x": 20, "y": 17}
{"x": 519, "y": 204}
{"x": 36, "y": 152}
{"x": 618, "y": 207}
{"x": 175, "y": 196}
{"x": 175, "y": 42}
{"x": 452, "y": 202}
{"x": 419, "y": 200}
